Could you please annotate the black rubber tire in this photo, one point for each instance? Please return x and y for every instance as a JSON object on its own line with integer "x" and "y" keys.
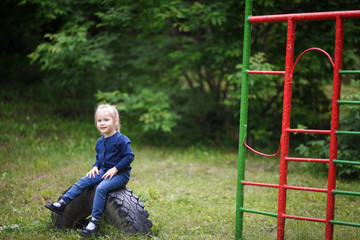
{"x": 123, "y": 209}
{"x": 76, "y": 211}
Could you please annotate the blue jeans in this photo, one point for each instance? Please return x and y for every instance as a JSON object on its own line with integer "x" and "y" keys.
{"x": 105, "y": 185}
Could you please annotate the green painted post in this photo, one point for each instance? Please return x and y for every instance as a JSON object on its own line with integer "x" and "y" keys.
{"x": 347, "y": 133}
{"x": 346, "y": 193}
{"x": 347, "y": 162}
{"x": 243, "y": 122}
{"x": 349, "y": 71}
{"x": 348, "y": 102}
{"x": 346, "y": 223}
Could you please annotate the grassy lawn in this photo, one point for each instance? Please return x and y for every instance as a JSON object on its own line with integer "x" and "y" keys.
{"x": 189, "y": 192}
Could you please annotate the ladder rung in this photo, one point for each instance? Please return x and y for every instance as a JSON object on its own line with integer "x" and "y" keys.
{"x": 307, "y": 189}
{"x": 260, "y": 184}
{"x": 258, "y": 212}
{"x": 346, "y": 192}
{"x": 305, "y": 218}
{"x": 345, "y": 223}
{"x": 349, "y": 102}
{"x": 350, "y": 71}
{"x": 287, "y": 187}
{"x": 308, "y": 131}
{"x": 347, "y": 133}
{"x": 347, "y": 162}
{"x": 266, "y": 72}
{"x": 307, "y": 159}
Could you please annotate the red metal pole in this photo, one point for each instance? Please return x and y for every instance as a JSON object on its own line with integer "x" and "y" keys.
{"x": 266, "y": 72}
{"x": 315, "y": 16}
{"x": 329, "y": 228}
{"x": 284, "y": 143}
{"x": 309, "y": 131}
{"x": 321, "y": 160}
{"x": 260, "y": 184}
{"x": 305, "y": 218}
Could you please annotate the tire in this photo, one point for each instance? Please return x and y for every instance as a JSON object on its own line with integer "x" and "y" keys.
{"x": 76, "y": 211}
{"x": 122, "y": 208}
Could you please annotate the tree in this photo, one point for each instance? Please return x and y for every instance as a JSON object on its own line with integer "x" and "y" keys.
{"x": 18, "y": 38}
{"x": 174, "y": 65}
{"x": 164, "y": 46}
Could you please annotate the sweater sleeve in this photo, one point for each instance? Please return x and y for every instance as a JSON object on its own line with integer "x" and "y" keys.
{"x": 97, "y": 161}
{"x": 127, "y": 155}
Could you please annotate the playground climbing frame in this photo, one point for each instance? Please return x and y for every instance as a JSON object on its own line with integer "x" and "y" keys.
{"x": 291, "y": 19}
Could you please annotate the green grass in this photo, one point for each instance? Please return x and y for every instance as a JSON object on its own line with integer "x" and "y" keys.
{"x": 189, "y": 192}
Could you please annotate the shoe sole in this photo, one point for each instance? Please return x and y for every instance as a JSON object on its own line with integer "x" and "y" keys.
{"x": 48, "y": 206}
{"x": 88, "y": 236}
{"x": 94, "y": 233}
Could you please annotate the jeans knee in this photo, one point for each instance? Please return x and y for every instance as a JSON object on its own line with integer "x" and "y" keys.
{"x": 100, "y": 190}
{"x": 82, "y": 183}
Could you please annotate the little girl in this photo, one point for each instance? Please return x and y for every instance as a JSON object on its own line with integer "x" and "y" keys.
{"x": 111, "y": 169}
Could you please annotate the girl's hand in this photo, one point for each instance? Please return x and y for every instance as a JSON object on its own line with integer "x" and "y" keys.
{"x": 92, "y": 172}
{"x": 112, "y": 172}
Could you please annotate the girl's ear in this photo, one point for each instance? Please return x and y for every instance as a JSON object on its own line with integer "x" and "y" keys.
{"x": 117, "y": 125}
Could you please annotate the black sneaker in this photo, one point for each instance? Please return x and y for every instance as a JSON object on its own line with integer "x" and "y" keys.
{"x": 87, "y": 232}
{"x": 58, "y": 210}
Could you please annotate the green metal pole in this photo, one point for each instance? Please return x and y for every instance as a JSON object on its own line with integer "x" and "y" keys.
{"x": 346, "y": 223}
{"x": 260, "y": 212}
{"x": 347, "y": 133}
{"x": 349, "y": 102}
{"x": 347, "y": 162}
{"x": 346, "y": 193}
{"x": 349, "y": 71}
{"x": 243, "y": 122}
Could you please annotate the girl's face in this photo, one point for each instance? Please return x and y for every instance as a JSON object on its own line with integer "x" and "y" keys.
{"x": 105, "y": 123}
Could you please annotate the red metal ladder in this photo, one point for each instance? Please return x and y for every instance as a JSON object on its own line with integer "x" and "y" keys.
{"x": 291, "y": 20}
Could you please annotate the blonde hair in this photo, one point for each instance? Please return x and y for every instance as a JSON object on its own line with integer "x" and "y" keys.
{"x": 113, "y": 111}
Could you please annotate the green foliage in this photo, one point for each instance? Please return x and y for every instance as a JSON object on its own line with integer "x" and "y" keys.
{"x": 151, "y": 109}
{"x": 139, "y": 44}
{"x": 265, "y": 95}
{"x": 185, "y": 49}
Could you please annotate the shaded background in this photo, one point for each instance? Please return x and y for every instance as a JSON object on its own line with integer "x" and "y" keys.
{"x": 173, "y": 67}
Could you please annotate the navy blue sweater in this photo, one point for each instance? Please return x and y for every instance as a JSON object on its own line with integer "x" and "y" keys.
{"x": 114, "y": 151}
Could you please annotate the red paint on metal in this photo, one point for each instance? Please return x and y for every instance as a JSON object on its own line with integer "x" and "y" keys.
{"x": 329, "y": 227}
{"x": 291, "y": 19}
{"x": 284, "y": 143}
{"x": 294, "y": 159}
{"x": 313, "y": 49}
{"x": 262, "y": 154}
{"x": 315, "y": 16}
{"x": 266, "y": 72}
{"x": 306, "y": 189}
{"x": 308, "y": 131}
{"x": 260, "y": 184}
{"x": 305, "y": 218}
